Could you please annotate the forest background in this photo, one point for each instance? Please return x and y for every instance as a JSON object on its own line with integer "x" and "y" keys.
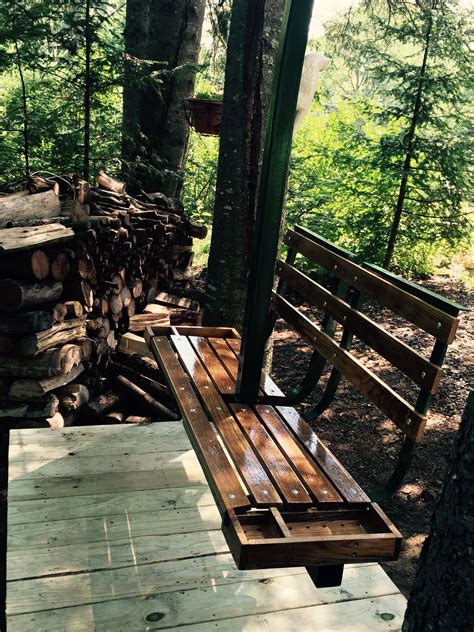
{"x": 347, "y": 159}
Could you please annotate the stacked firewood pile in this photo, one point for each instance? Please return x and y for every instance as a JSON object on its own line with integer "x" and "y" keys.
{"x": 79, "y": 267}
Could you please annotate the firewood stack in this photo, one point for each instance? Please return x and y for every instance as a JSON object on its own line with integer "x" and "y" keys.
{"x": 72, "y": 283}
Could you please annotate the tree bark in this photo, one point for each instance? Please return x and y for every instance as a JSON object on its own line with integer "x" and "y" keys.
{"x": 441, "y": 598}
{"x": 87, "y": 89}
{"x": 409, "y": 155}
{"x": 253, "y": 42}
{"x": 155, "y": 128}
{"x": 24, "y": 103}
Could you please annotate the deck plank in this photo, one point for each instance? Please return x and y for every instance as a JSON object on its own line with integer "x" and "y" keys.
{"x": 141, "y": 549}
{"x": 218, "y": 602}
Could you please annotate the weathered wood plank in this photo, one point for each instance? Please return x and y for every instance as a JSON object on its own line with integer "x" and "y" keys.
{"x": 360, "y": 615}
{"x": 129, "y": 552}
{"x": 220, "y": 603}
{"x": 33, "y": 444}
{"x": 79, "y": 464}
{"x": 65, "y": 486}
{"x": 33, "y": 595}
{"x": 107, "y": 504}
{"x": 116, "y": 528}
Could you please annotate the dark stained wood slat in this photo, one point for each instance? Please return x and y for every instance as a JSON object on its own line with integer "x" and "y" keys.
{"x": 311, "y": 475}
{"x": 418, "y": 312}
{"x": 225, "y": 485}
{"x": 246, "y": 462}
{"x": 414, "y": 365}
{"x": 219, "y": 374}
{"x": 390, "y": 403}
{"x": 268, "y": 386}
{"x": 274, "y": 461}
{"x": 340, "y": 477}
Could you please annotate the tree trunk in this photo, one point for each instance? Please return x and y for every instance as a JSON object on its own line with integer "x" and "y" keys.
{"x": 253, "y": 41}
{"x": 155, "y": 128}
{"x": 87, "y": 90}
{"x": 441, "y": 598}
{"x": 24, "y": 104}
{"x": 409, "y": 155}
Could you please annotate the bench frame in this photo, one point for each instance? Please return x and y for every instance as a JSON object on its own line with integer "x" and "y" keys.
{"x": 260, "y": 530}
{"x": 256, "y": 453}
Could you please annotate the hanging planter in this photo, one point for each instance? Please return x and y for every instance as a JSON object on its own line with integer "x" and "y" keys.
{"x": 205, "y": 115}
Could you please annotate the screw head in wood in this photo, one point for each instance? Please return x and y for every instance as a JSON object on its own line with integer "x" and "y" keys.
{"x": 294, "y": 492}
{"x": 231, "y": 496}
{"x": 218, "y": 407}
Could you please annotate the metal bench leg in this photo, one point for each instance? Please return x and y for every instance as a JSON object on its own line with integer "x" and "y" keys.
{"x": 326, "y": 576}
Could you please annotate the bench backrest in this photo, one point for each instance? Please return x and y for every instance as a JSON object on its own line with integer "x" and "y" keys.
{"x": 432, "y": 314}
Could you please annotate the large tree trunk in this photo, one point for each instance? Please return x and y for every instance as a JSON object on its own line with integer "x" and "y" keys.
{"x": 155, "y": 127}
{"x": 441, "y": 599}
{"x": 253, "y": 41}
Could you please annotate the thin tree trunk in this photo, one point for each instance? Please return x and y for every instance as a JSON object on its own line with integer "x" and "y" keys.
{"x": 409, "y": 155}
{"x": 26, "y": 135}
{"x": 253, "y": 41}
{"x": 155, "y": 127}
{"x": 87, "y": 91}
{"x": 441, "y": 599}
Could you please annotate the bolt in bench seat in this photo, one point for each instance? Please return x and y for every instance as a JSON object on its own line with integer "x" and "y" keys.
{"x": 285, "y": 499}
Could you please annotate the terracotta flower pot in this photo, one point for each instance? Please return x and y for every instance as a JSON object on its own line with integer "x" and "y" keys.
{"x": 205, "y": 115}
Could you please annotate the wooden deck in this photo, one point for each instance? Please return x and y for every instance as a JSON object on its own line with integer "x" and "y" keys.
{"x": 114, "y": 528}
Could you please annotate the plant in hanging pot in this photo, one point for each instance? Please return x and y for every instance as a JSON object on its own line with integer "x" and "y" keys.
{"x": 205, "y": 112}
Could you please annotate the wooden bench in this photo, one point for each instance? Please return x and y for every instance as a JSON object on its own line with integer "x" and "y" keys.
{"x": 284, "y": 497}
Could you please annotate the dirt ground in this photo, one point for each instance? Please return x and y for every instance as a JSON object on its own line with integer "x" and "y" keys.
{"x": 366, "y": 443}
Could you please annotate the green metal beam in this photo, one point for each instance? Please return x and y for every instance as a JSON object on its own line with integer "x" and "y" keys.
{"x": 276, "y": 156}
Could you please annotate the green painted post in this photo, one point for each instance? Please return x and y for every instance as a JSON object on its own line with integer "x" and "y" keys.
{"x": 276, "y": 156}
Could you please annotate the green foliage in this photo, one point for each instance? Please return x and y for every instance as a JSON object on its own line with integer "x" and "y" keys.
{"x": 423, "y": 110}
{"x": 51, "y": 56}
{"x": 200, "y": 176}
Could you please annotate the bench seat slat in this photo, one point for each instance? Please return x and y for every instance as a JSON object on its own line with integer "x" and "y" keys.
{"x": 246, "y": 462}
{"x": 290, "y": 486}
{"x": 395, "y": 407}
{"x": 427, "y": 317}
{"x": 225, "y": 485}
{"x": 339, "y": 478}
{"x": 231, "y": 362}
{"x": 414, "y": 365}
{"x": 314, "y": 479}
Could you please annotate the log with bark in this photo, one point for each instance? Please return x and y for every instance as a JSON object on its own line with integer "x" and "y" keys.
{"x": 20, "y": 295}
{"x": 32, "y": 388}
{"x": 41, "y": 205}
{"x": 47, "y": 364}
